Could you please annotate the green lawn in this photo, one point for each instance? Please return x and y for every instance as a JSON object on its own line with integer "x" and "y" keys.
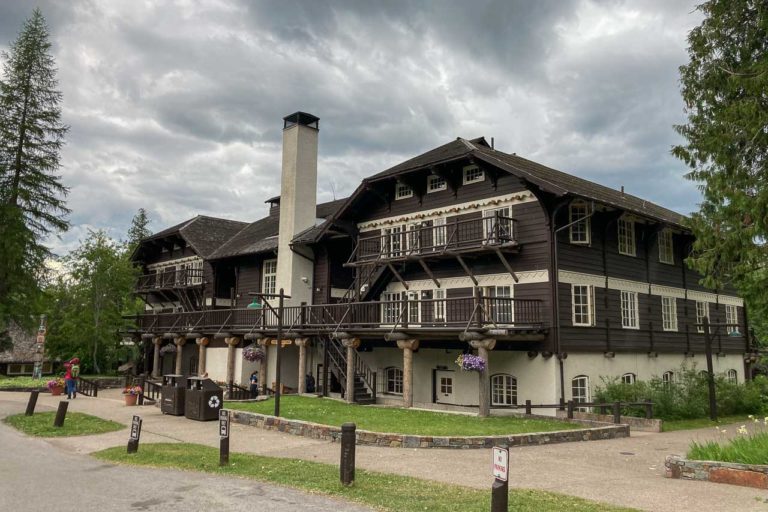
{"x": 30, "y": 383}
{"x": 75, "y": 424}
{"x": 744, "y": 449}
{"x": 382, "y": 491}
{"x": 399, "y": 421}
{"x": 672, "y": 425}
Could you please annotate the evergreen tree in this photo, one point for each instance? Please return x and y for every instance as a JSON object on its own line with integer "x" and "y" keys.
{"x": 139, "y": 228}
{"x": 724, "y": 88}
{"x": 31, "y": 195}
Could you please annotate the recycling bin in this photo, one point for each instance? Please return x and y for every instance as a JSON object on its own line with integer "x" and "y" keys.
{"x": 202, "y": 400}
{"x": 172, "y": 397}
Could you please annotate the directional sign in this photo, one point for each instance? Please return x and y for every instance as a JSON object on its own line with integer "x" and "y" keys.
{"x": 136, "y": 428}
{"x": 500, "y": 463}
{"x": 223, "y": 423}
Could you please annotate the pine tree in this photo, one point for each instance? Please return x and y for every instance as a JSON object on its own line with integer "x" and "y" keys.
{"x": 32, "y": 203}
{"x": 724, "y": 88}
{"x": 139, "y": 228}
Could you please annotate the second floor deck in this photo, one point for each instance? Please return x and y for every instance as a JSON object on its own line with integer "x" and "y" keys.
{"x": 170, "y": 279}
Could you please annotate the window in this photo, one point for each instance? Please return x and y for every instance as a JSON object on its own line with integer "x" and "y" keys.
{"x": 413, "y": 237}
{"x": 499, "y": 303}
{"x": 439, "y": 232}
{"x": 403, "y": 191}
{"x": 394, "y": 380}
{"x": 269, "y": 280}
{"x": 439, "y": 305}
{"x": 497, "y": 225}
{"x": 579, "y": 220}
{"x": 731, "y": 319}
{"x": 583, "y": 300}
{"x": 393, "y": 241}
{"x": 628, "y": 378}
{"x": 629, "y": 310}
{"x": 666, "y": 249}
{"x": 391, "y": 306}
{"x": 732, "y": 376}
{"x": 669, "y": 313}
{"x": 668, "y": 378}
{"x": 473, "y": 174}
{"x": 702, "y": 312}
{"x": 627, "y": 237}
{"x": 436, "y": 184}
{"x": 446, "y": 385}
{"x": 580, "y": 389}
{"x": 503, "y": 390}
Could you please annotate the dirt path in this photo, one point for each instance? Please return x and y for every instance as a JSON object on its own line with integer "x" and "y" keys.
{"x": 626, "y": 472}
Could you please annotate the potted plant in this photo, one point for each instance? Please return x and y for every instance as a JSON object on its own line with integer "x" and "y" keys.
{"x": 131, "y": 394}
{"x": 253, "y": 353}
{"x": 55, "y": 386}
{"x": 471, "y": 363}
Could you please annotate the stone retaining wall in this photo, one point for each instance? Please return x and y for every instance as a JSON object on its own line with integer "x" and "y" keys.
{"x": 364, "y": 437}
{"x": 635, "y": 423}
{"x": 747, "y": 475}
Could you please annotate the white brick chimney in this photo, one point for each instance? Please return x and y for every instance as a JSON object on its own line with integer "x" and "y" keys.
{"x": 298, "y": 204}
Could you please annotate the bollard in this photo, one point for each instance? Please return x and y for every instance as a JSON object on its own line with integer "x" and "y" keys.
{"x": 133, "y": 440}
{"x": 500, "y": 473}
{"x": 61, "y": 414}
{"x": 570, "y": 409}
{"x": 223, "y": 437}
{"x": 347, "y": 465}
{"x": 528, "y": 407}
{"x": 648, "y": 409}
{"x": 562, "y": 404}
{"x": 616, "y": 412}
{"x": 500, "y": 496}
{"x": 32, "y": 402}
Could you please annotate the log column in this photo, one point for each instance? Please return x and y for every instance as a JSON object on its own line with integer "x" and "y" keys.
{"x": 351, "y": 344}
{"x": 408, "y": 346}
{"x": 179, "y": 342}
{"x": 263, "y": 383}
{"x": 156, "y": 359}
{"x": 302, "y": 343}
{"x": 232, "y": 343}
{"x": 483, "y": 349}
{"x": 202, "y": 344}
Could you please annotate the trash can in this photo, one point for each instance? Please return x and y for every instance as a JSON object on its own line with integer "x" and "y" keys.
{"x": 203, "y": 399}
{"x": 172, "y": 401}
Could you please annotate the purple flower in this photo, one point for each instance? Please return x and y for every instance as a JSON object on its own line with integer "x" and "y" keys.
{"x": 252, "y": 353}
{"x": 471, "y": 363}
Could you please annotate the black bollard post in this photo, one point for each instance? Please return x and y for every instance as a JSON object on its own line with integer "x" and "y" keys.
{"x": 648, "y": 409}
{"x": 528, "y": 407}
{"x": 133, "y": 441}
{"x": 500, "y": 472}
{"x": 500, "y": 496}
{"x": 32, "y": 402}
{"x": 616, "y": 412}
{"x": 61, "y": 414}
{"x": 347, "y": 465}
{"x": 223, "y": 437}
{"x": 570, "y": 409}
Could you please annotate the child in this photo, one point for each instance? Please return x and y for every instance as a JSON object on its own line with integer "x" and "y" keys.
{"x": 72, "y": 368}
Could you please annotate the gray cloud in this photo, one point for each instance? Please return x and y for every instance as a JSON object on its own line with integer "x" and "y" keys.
{"x": 177, "y": 107}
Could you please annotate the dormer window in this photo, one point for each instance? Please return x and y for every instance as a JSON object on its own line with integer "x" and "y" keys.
{"x": 473, "y": 174}
{"x": 666, "y": 252}
{"x": 403, "y": 191}
{"x": 578, "y": 219}
{"x": 435, "y": 184}
{"x": 627, "y": 237}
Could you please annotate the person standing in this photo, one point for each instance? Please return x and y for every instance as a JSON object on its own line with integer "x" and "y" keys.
{"x": 72, "y": 368}
{"x": 254, "y": 380}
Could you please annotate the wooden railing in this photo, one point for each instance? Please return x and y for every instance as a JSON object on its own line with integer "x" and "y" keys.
{"x": 180, "y": 278}
{"x": 424, "y": 239}
{"x": 235, "y": 392}
{"x": 455, "y": 313}
{"x": 87, "y": 387}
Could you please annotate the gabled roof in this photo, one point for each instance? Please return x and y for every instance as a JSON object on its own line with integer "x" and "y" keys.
{"x": 261, "y": 236}
{"x": 204, "y": 234}
{"x": 547, "y": 179}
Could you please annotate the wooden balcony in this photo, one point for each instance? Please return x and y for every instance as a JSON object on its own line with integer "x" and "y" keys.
{"x": 430, "y": 240}
{"x": 180, "y": 278}
{"x": 427, "y": 318}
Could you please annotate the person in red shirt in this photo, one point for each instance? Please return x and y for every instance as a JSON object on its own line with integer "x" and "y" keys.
{"x": 72, "y": 372}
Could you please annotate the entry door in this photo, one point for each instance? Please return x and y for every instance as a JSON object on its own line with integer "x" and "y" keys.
{"x": 445, "y": 382}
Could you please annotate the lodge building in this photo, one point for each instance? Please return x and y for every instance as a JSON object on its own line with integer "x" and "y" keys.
{"x": 556, "y": 282}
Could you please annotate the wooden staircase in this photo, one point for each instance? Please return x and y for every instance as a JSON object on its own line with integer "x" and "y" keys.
{"x": 365, "y": 378}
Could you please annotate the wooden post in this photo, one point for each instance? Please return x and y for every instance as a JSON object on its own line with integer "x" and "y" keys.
{"x": 302, "y": 344}
{"x": 616, "y": 412}
{"x": 264, "y": 344}
{"x": 483, "y": 348}
{"x": 499, "y": 496}
{"x": 223, "y": 437}
{"x": 278, "y": 359}
{"x": 156, "y": 358}
{"x": 231, "y": 346}
{"x": 61, "y": 414}
{"x": 347, "y": 464}
{"x": 408, "y": 346}
{"x": 528, "y": 407}
{"x": 133, "y": 440}
{"x": 351, "y": 344}
{"x": 179, "y": 342}
{"x": 32, "y": 402}
{"x": 202, "y": 344}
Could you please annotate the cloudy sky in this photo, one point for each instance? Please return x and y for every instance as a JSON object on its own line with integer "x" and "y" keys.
{"x": 177, "y": 106}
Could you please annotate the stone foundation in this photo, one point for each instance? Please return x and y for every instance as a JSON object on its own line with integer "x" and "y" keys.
{"x": 747, "y": 475}
{"x": 638, "y": 424}
{"x": 333, "y": 434}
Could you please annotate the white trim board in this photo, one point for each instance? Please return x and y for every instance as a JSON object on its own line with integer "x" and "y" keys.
{"x": 525, "y": 277}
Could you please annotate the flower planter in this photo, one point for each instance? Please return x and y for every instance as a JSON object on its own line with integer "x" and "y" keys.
{"x": 131, "y": 399}
{"x": 56, "y": 390}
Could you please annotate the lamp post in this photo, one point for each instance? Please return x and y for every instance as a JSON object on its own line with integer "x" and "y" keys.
{"x": 708, "y": 352}
{"x": 281, "y": 296}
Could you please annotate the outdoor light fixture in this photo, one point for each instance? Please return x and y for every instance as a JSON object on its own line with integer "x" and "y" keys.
{"x": 255, "y": 305}
{"x": 546, "y": 354}
{"x": 735, "y": 333}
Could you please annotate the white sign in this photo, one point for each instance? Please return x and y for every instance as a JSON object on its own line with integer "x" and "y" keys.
{"x": 136, "y": 428}
{"x": 223, "y": 423}
{"x": 500, "y": 463}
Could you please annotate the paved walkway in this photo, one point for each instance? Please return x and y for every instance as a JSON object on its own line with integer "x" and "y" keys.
{"x": 626, "y": 472}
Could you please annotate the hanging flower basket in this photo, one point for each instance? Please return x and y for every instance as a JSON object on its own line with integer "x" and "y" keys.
{"x": 471, "y": 363}
{"x": 253, "y": 353}
{"x": 168, "y": 349}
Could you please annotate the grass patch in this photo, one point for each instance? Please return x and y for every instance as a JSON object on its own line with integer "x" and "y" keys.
{"x": 672, "y": 425}
{"x": 400, "y": 421}
{"x": 75, "y": 424}
{"x": 745, "y": 449}
{"x": 28, "y": 382}
{"x": 382, "y": 491}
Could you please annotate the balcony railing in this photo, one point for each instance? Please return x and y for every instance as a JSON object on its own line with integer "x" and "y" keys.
{"x": 453, "y": 313}
{"x": 423, "y": 239}
{"x": 180, "y": 278}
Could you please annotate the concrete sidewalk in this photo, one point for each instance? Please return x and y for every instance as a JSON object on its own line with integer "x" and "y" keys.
{"x": 627, "y": 472}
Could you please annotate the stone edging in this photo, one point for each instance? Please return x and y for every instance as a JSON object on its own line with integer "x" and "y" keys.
{"x": 364, "y": 437}
{"x": 747, "y": 475}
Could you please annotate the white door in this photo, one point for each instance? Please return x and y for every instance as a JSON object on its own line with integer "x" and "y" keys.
{"x": 445, "y": 382}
